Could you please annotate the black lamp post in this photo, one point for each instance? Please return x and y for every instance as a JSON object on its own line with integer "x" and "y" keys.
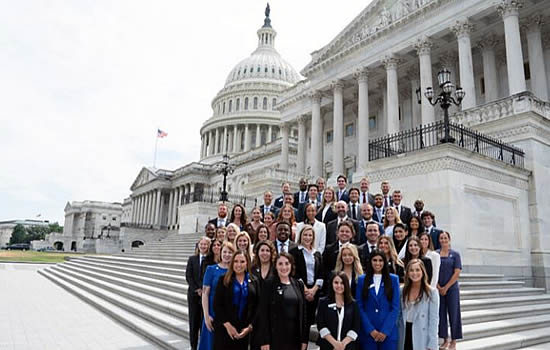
{"x": 224, "y": 168}
{"x": 445, "y": 99}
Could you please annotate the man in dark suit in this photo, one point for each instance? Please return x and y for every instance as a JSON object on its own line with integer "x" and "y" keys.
{"x": 332, "y": 226}
{"x": 378, "y": 208}
{"x": 354, "y": 210}
{"x": 301, "y": 196}
{"x": 405, "y": 213}
{"x": 222, "y": 220}
{"x": 193, "y": 276}
{"x": 365, "y": 250}
{"x": 268, "y": 205}
{"x": 419, "y": 209}
{"x": 210, "y": 230}
{"x": 365, "y": 196}
{"x": 283, "y": 242}
{"x": 342, "y": 193}
{"x": 366, "y": 218}
{"x": 279, "y": 201}
{"x": 385, "y": 188}
{"x": 331, "y": 250}
{"x": 312, "y": 192}
{"x": 427, "y": 219}
{"x": 321, "y": 187}
{"x": 288, "y": 199}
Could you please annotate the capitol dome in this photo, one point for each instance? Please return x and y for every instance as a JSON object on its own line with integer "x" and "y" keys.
{"x": 244, "y": 111}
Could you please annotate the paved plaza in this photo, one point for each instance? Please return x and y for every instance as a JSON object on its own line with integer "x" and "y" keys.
{"x": 37, "y": 314}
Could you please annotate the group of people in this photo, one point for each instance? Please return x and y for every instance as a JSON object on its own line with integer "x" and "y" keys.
{"x": 370, "y": 272}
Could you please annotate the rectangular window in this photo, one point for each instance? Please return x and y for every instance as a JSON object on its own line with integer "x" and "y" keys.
{"x": 329, "y": 136}
{"x": 372, "y": 122}
{"x": 527, "y": 70}
{"x": 350, "y": 130}
{"x": 482, "y": 85}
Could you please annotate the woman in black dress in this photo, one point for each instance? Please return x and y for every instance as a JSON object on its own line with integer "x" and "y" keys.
{"x": 334, "y": 334}
{"x": 414, "y": 251}
{"x": 235, "y": 305}
{"x": 283, "y": 323}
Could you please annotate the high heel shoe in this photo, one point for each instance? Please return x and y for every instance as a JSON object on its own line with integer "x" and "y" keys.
{"x": 444, "y": 346}
{"x": 451, "y": 347}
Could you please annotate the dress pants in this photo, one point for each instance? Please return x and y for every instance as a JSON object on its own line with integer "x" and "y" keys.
{"x": 450, "y": 303}
{"x": 195, "y": 318}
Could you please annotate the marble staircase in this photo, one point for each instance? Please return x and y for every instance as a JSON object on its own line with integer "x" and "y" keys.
{"x": 145, "y": 289}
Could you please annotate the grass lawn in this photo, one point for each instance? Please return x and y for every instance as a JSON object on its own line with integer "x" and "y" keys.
{"x": 32, "y": 256}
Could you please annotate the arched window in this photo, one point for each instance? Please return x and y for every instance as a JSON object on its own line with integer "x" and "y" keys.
{"x": 238, "y": 104}
{"x": 246, "y": 103}
{"x": 255, "y": 103}
{"x": 273, "y": 103}
{"x": 264, "y": 104}
{"x": 258, "y": 70}
{"x": 230, "y": 105}
{"x": 223, "y": 109}
{"x": 265, "y": 70}
{"x": 244, "y": 70}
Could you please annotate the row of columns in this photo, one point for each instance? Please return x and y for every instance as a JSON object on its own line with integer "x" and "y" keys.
{"x": 462, "y": 29}
{"x": 230, "y": 139}
{"x": 148, "y": 207}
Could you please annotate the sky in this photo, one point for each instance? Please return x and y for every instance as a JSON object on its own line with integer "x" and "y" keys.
{"x": 84, "y": 85}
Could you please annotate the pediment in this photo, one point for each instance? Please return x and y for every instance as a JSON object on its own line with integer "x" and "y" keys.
{"x": 146, "y": 175}
{"x": 378, "y": 15}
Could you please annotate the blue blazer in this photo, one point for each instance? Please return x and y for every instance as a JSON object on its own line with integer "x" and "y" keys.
{"x": 425, "y": 323}
{"x": 377, "y": 313}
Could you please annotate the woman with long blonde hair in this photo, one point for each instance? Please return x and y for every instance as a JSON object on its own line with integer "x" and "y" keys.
{"x": 391, "y": 217}
{"x": 244, "y": 243}
{"x": 349, "y": 262}
{"x": 327, "y": 212}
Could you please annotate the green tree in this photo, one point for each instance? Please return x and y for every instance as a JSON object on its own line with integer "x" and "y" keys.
{"x": 18, "y": 235}
{"x": 36, "y": 233}
{"x": 55, "y": 227}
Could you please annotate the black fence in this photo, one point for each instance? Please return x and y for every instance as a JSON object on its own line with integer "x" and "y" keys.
{"x": 214, "y": 197}
{"x": 430, "y": 135}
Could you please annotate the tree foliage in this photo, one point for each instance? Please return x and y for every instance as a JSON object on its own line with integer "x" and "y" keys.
{"x": 21, "y": 234}
{"x": 18, "y": 235}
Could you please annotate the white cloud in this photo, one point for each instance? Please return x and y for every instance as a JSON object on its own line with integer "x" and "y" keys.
{"x": 85, "y": 84}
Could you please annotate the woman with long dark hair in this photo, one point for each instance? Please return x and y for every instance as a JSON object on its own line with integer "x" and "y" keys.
{"x": 395, "y": 265}
{"x": 378, "y": 301}
{"x": 399, "y": 238}
{"x": 338, "y": 318}
{"x": 235, "y": 305}
{"x": 428, "y": 251}
{"x": 419, "y": 310}
{"x": 283, "y": 323}
{"x": 263, "y": 264}
{"x": 238, "y": 216}
{"x": 414, "y": 251}
{"x": 415, "y": 226}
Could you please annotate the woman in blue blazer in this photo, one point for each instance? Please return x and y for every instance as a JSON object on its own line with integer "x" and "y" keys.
{"x": 419, "y": 319}
{"x": 378, "y": 301}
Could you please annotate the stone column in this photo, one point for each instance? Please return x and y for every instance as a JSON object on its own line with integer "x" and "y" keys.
{"x": 509, "y": 10}
{"x": 180, "y": 194}
{"x": 490, "y": 75}
{"x": 225, "y": 138}
{"x": 269, "y": 137}
{"x": 362, "y": 121}
{"x": 462, "y": 30}
{"x": 147, "y": 207}
{"x": 235, "y": 139}
{"x": 246, "y": 137}
{"x": 170, "y": 204}
{"x": 301, "y": 161}
{"x": 284, "y": 146}
{"x": 392, "y": 88}
{"x": 338, "y": 129}
{"x": 141, "y": 209}
{"x": 216, "y": 141}
{"x": 258, "y": 135}
{"x": 413, "y": 75}
{"x": 546, "y": 46}
{"x": 536, "y": 57}
{"x": 423, "y": 49}
{"x": 151, "y": 208}
{"x": 132, "y": 218}
{"x": 210, "y": 143}
{"x": 316, "y": 135}
{"x": 157, "y": 209}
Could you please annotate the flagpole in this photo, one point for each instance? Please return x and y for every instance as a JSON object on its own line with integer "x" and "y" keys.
{"x": 156, "y": 144}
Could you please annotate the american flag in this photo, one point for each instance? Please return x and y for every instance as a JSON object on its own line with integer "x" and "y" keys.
{"x": 161, "y": 133}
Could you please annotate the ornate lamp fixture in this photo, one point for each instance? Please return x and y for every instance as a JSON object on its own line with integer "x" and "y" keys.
{"x": 224, "y": 168}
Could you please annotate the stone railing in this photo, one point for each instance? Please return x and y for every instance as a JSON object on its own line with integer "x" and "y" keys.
{"x": 273, "y": 173}
{"x": 505, "y": 107}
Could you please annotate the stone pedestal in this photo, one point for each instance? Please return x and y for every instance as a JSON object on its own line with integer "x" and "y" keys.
{"x": 194, "y": 216}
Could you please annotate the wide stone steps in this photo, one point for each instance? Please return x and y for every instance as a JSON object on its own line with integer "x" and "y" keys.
{"x": 149, "y": 282}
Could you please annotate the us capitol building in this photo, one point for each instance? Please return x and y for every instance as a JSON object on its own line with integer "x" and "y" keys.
{"x": 484, "y": 174}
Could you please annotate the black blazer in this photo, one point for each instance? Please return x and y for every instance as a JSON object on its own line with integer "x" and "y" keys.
{"x": 330, "y": 215}
{"x": 297, "y": 199}
{"x": 279, "y": 201}
{"x": 344, "y": 197}
{"x": 226, "y": 311}
{"x": 405, "y": 215}
{"x": 330, "y": 254}
{"x": 272, "y": 208}
{"x": 300, "y": 265}
{"x": 353, "y": 284}
{"x": 333, "y": 226}
{"x": 327, "y": 317}
{"x": 291, "y": 245}
{"x": 364, "y": 254}
{"x": 193, "y": 274}
{"x": 376, "y": 218}
{"x": 272, "y": 312}
{"x": 215, "y": 221}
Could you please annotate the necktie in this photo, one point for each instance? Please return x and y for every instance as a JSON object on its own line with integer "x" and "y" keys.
{"x": 386, "y": 202}
{"x": 371, "y": 248}
{"x": 397, "y": 208}
{"x": 353, "y": 215}
{"x": 364, "y": 198}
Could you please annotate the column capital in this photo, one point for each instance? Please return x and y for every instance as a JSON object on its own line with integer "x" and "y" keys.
{"x": 302, "y": 119}
{"x": 337, "y": 85}
{"x": 423, "y": 46}
{"x": 507, "y": 8}
{"x": 533, "y": 23}
{"x": 501, "y": 57}
{"x": 488, "y": 43}
{"x": 315, "y": 96}
{"x": 391, "y": 62}
{"x": 462, "y": 28}
{"x": 361, "y": 74}
{"x": 285, "y": 126}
